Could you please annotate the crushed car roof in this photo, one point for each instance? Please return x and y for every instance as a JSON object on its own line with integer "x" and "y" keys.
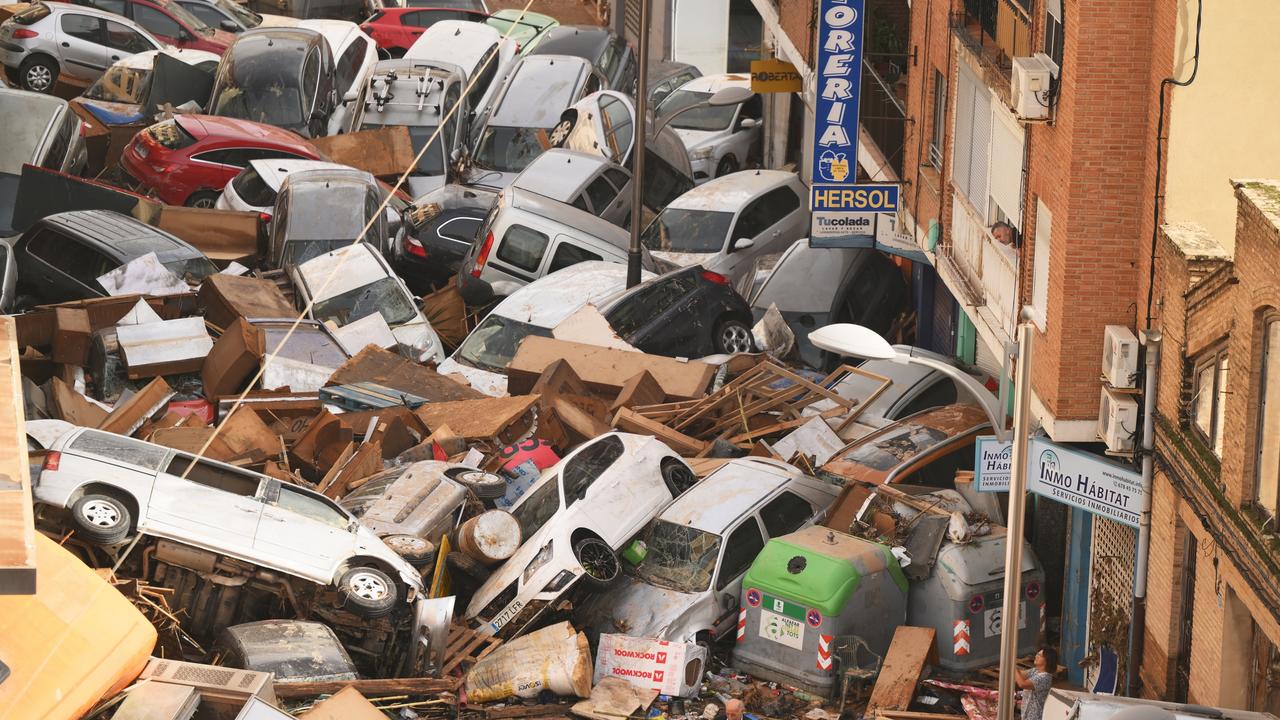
{"x": 731, "y": 192}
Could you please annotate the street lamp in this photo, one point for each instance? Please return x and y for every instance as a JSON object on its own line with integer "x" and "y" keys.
{"x": 863, "y": 342}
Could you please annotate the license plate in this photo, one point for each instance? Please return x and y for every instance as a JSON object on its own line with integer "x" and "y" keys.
{"x": 992, "y": 624}
{"x": 507, "y": 614}
{"x": 782, "y": 629}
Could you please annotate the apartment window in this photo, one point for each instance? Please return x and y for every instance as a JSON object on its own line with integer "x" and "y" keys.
{"x": 1040, "y": 266}
{"x": 1053, "y": 30}
{"x": 1209, "y": 401}
{"x": 1267, "y": 487}
{"x": 986, "y": 155}
{"x": 939, "y": 119}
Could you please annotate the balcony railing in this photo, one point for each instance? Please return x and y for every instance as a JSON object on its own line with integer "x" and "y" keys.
{"x": 986, "y": 268}
{"x": 882, "y": 114}
{"x": 995, "y": 31}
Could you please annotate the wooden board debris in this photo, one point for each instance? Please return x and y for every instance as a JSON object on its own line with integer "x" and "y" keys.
{"x": 373, "y": 364}
{"x": 476, "y": 419}
{"x": 904, "y": 662}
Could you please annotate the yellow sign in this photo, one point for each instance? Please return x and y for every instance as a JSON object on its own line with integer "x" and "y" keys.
{"x": 775, "y": 76}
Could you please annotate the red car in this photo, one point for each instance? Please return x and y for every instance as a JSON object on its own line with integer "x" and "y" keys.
{"x": 189, "y": 159}
{"x": 395, "y": 29}
{"x": 169, "y": 22}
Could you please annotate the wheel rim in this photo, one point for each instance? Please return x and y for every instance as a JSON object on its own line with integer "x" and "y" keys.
{"x": 597, "y": 560}
{"x": 560, "y": 132}
{"x": 478, "y": 477}
{"x": 204, "y": 202}
{"x": 100, "y": 513}
{"x": 367, "y": 586}
{"x": 39, "y": 77}
{"x": 735, "y": 338}
{"x": 406, "y": 544}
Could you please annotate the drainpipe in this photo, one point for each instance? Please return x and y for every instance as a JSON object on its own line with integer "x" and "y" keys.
{"x": 1137, "y": 628}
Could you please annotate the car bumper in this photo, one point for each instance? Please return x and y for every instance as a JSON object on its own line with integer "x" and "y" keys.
{"x": 703, "y": 170}
{"x": 11, "y": 55}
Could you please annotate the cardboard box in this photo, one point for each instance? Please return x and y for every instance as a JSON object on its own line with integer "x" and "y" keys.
{"x": 234, "y": 359}
{"x": 72, "y": 336}
{"x": 670, "y": 668}
{"x": 606, "y": 370}
{"x": 227, "y": 297}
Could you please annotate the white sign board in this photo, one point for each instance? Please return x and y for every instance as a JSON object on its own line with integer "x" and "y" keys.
{"x": 1085, "y": 481}
{"x": 992, "y": 464}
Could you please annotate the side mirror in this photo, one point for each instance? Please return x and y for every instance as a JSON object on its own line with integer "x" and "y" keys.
{"x": 743, "y": 244}
{"x": 229, "y": 26}
{"x": 747, "y": 123}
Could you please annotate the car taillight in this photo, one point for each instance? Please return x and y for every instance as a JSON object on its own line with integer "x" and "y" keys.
{"x": 24, "y": 34}
{"x": 413, "y": 247}
{"x": 716, "y": 278}
{"x": 51, "y": 460}
{"x": 482, "y": 257}
{"x": 264, "y": 218}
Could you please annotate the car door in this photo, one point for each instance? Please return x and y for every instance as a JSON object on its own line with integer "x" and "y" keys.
{"x": 81, "y": 47}
{"x": 518, "y": 257}
{"x": 743, "y": 542}
{"x": 302, "y": 532}
{"x": 207, "y": 503}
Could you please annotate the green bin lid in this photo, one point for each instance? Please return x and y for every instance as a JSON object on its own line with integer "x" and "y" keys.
{"x": 820, "y": 568}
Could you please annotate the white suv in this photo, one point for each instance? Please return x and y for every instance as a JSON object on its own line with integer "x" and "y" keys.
{"x": 115, "y": 486}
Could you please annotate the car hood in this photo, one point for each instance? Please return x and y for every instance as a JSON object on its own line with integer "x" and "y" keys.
{"x": 634, "y": 607}
{"x": 697, "y": 139}
{"x": 669, "y": 261}
{"x": 489, "y": 383}
{"x": 421, "y": 338}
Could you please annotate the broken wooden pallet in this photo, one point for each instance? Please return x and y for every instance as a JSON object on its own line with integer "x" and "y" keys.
{"x": 465, "y": 648}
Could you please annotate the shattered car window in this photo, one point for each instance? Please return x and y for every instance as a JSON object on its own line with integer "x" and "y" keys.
{"x": 122, "y": 85}
{"x": 537, "y": 507}
{"x": 703, "y": 118}
{"x": 492, "y": 345}
{"x": 192, "y": 269}
{"x": 679, "y": 557}
{"x": 677, "y": 230}
{"x": 327, "y": 211}
{"x": 297, "y": 252}
{"x": 381, "y": 296}
{"x": 117, "y": 447}
{"x": 897, "y": 447}
{"x": 363, "y": 498}
{"x": 588, "y": 465}
{"x": 509, "y": 149}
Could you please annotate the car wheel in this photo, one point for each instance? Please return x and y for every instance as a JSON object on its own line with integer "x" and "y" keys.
{"x": 417, "y": 551}
{"x": 728, "y": 164}
{"x": 38, "y": 74}
{"x": 560, "y": 132}
{"x": 206, "y": 199}
{"x": 485, "y": 486}
{"x": 598, "y": 560}
{"x": 733, "y": 336}
{"x": 678, "y": 477}
{"x": 367, "y": 591}
{"x": 101, "y": 519}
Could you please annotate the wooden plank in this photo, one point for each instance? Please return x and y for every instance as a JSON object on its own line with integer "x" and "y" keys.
{"x": 904, "y": 662}
{"x": 606, "y": 370}
{"x": 373, "y": 364}
{"x": 17, "y": 523}
{"x": 910, "y": 715}
{"x": 631, "y": 421}
{"x": 476, "y": 419}
{"x": 374, "y": 687}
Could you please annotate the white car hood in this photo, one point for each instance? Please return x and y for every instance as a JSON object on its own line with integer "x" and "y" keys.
{"x": 489, "y": 383}
{"x": 697, "y": 139}
{"x": 649, "y": 610}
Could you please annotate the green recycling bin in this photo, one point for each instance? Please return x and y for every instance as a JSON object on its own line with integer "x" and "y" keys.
{"x": 804, "y": 594}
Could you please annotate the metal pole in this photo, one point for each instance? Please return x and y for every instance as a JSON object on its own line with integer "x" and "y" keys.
{"x": 1137, "y": 626}
{"x": 1017, "y": 509}
{"x": 638, "y": 153}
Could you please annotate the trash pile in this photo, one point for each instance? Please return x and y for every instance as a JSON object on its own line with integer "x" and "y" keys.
{"x": 343, "y": 407}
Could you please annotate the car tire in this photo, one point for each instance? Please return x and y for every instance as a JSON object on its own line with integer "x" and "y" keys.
{"x": 733, "y": 336}
{"x": 560, "y": 133}
{"x": 101, "y": 519}
{"x": 727, "y": 165}
{"x": 38, "y": 73}
{"x": 678, "y": 477}
{"x": 206, "y": 199}
{"x": 418, "y": 552}
{"x": 598, "y": 560}
{"x": 485, "y": 486}
{"x": 368, "y": 592}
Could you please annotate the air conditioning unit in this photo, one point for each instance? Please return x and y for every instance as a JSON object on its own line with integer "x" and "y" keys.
{"x": 1029, "y": 88}
{"x": 1119, "y": 357}
{"x": 1117, "y": 420}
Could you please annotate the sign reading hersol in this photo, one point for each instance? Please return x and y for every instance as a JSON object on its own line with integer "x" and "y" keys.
{"x": 775, "y": 76}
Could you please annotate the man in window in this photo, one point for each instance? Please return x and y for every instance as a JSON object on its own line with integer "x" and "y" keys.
{"x": 1005, "y": 234}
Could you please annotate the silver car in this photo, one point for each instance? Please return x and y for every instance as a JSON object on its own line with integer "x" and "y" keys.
{"x": 48, "y": 39}
{"x": 584, "y": 180}
{"x": 698, "y": 549}
{"x": 721, "y": 140}
{"x": 115, "y": 486}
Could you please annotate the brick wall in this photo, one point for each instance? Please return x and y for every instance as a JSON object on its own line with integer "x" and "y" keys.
{"x": 799, "y": 18}
{"x": 931, "y": 50}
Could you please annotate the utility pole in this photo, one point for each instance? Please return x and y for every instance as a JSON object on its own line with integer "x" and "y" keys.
{"x": 1137, "y": 627}
{"x": 638, "y": 151}
{"x": 1017, "y": 512}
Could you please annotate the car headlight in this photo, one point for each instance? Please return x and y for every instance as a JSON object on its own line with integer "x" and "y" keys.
{"x": 542, "y": 558}
{"x": 562, "y": 579}
{"x": 701, "y": 154}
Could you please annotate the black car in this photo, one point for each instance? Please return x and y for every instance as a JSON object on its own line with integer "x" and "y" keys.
{"x": 433, "y": 243}
{"x": 61, "y": 257}
{"x": 611, "y": 55}
{"x": 689, "y": 312}
{"x": 281, "y": 76}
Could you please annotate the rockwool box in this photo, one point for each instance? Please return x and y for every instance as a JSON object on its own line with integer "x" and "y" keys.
{"x": 670, "y": 668}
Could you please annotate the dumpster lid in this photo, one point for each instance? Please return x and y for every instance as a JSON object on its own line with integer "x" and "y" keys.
{"x": 820, "y": 567}
{"x": 981, "y": 560}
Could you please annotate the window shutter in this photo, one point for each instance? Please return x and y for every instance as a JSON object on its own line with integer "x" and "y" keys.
{"x": 1054, "y": 8}
{"x": 980, "y": 153}
{"x": 1006, "y": 166}
{"x": 1040, "y": 265}
{"x": 963, "y": 135}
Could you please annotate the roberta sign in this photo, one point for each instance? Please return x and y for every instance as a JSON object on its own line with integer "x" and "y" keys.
{"x": 1085, "y": 481}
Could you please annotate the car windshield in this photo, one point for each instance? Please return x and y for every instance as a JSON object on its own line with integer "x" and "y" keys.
{"x": 432, "y": 162}
{"x": 245, "y": 16}
{"x": 492, "y": 345}
{"x": 509, "y": 149}
{"x": 122, "y": 85}
{"x": 381, "y": 296}
{"x": 192, "y": 269}
{"x": 679, "y": 557}
{"x": 260, "y": 88}
{"x": 537, "y": 507}
{"x": 361, "y": 499}
{"x": 693, "y": 231}
{"x": 328, "y": 211}
{"x": 703, "y": 118}
{"x": 186, "y": 17}
{"x": 297, "y": 252}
